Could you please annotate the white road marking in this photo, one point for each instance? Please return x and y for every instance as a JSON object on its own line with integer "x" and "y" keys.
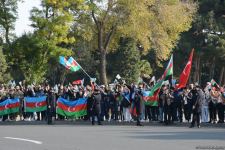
{"x": 161, "y": 134}
{"x": 21, "y": 139}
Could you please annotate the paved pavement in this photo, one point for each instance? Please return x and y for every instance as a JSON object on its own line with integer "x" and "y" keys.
{"x": 112, "y": 123}
{"x": 108, "y": 137}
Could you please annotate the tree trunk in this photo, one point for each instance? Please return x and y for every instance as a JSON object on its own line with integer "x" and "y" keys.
{"x": 199, "y": 70}
{"x": 221, "y": 76}
{"x": 212, "y": 68}
{"x": 196, "y": 73}
{"x": 224, "y": 79}
{"x": 7, "y": 36}
{"x": 103, "y": 77}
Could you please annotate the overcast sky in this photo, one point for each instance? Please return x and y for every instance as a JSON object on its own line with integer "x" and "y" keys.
{"x": 22, "y": 23}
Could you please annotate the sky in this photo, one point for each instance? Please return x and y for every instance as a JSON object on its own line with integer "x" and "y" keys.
{"x": 23, "y": 23}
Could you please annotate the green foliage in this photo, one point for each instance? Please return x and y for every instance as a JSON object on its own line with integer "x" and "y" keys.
{"x": 207, "y": 37}
{"x": 29, "y": 56}
{"x": 90, "y": 30}
{"x": 52, "y": 24}
{"x": 145, "y": 68}
{"x": 4, "y": 75}
{"x": 128, "y": 60}
{"x": 153, "y": 24}
{"x": 8, "y": 16}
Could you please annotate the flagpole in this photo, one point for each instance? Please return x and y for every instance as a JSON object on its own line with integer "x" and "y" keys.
{"x": 146, "y": 84}
{"x": 85, "y": 72}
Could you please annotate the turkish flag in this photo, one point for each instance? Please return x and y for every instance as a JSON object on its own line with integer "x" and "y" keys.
{"x": 186, "y": 72}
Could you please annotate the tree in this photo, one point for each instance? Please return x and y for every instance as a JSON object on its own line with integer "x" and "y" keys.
{"x": 206, "y": 36}
{"x": 52, "y": 25}
{"x": 4, "y": 75}
{"x": 8, "y": 16}
{"x": 152, "y": 24}
{"x": 28, "y": 59}
{"x": 128, "y": 60}
{"x": 145, "y": 68}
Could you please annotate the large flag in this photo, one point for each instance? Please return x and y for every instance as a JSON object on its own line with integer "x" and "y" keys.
{"x": 186, "y": 72}
{"x": 74, "y": 65}
{"x": 166, "y": 75}
{"x": 35, "y": 104}
{"x": 76, "y": 108}
{"x": 151, "y": 100}
{"x": 151, "y": 97}
{"x": 9, "y": 106}
{"x": 64, "y": 62}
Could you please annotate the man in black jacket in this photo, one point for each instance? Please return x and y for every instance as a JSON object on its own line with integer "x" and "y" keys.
{"x": 196, "y": 106}
{"x": 137, "y": 104}
{"x": 96, "y": 106}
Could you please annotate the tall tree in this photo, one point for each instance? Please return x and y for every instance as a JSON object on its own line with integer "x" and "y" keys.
{"x": 128, "y": 60}
{"x": 8, "y": 16}
{"x": 206, "y": 36}
{"x": 52, "y": 25}
{"x": 28, "y": 59}
{"x": 4, "y": 75}
{"x": 152, "y": 24}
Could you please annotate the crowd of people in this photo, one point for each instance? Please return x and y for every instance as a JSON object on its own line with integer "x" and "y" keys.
{"x": 125, "y": 103}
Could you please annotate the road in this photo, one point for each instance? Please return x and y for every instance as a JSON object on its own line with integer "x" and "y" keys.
{"x": 87, "y": 137}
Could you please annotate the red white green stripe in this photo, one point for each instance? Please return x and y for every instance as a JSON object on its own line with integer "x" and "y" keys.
{"x": 168, "y": 72}
{"x": 75, "y": 108}
{"x": 35, "y": 104}
{"x": 74, "y": 66}
{"x": 9, "y": 106}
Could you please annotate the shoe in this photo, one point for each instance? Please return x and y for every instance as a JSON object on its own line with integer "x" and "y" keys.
{"x": 93, "y": 123}
{"x": 199, "y": 126}
{"x": 99, "y": 123}
{"x": 191, "y": 126}
{"x": 139, "y": 125}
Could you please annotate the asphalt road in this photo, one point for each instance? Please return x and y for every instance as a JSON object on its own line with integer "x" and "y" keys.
{"x": 87, "y": 137}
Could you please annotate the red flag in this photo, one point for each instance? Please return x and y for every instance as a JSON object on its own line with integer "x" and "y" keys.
{"x": 186, "y": 72}
{"x": 77, "y": 82}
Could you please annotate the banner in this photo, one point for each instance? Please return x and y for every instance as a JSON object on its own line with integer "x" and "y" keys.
{"x": 35, "y": 104}
{"x": 9, "y": 106}
{"x": 75, "y": 108}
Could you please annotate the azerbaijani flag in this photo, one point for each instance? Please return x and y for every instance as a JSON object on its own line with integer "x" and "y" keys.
{"x": 167, "y": 74}
{"x": 151, "y": 100}
{"x": 76, "y": 108}
{"x": 9, "y": 106}
{"x": 74, "y": 66}
{"x": 35, "y": 104}
{"x": 151, "y": 97}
